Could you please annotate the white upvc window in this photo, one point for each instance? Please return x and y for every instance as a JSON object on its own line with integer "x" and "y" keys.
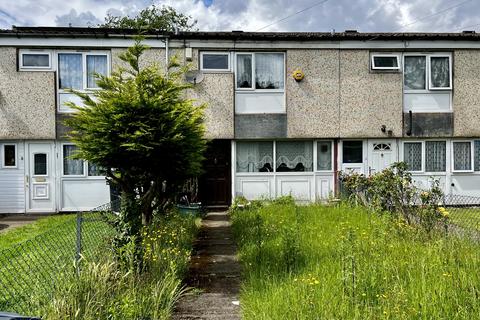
{"x": 385, "y": 61}
{"x": 476, "y": 155}
{"x": 427, "y": 72}
{"x": 215, "y": 61}
{"x": 413, "y": 155}
{"x": 260, "y": 71}
{"x": 76, "y": 70}
{"x": 71, "y": 167}
{"x": 34, "y": 60}
{"x": 9, "y": 155}
{"x": 462, "y": 156}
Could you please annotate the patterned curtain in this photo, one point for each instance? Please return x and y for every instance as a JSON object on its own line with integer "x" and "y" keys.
{"x": 294, "y": 156}
{"x": 476, "y": 156}
{"x": 440, "y": 72}
{"x": 255, "y": 156}
{"x": 414, "y": 72}
{"x": 435, "y": 156}
{"x": 244, "y": 71}
{"x": 95, "y": 65}
{"x": 269, "y": 71}
{"x": 70, "y": 71}
{"x": 71, "y": 166}
{"x": 462, "y": 159}
{"x": 324, "y": 155}
{"x": 412, "y": 155}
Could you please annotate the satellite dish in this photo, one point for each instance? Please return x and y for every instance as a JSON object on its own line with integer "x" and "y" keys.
{"x": 194, "y": 76}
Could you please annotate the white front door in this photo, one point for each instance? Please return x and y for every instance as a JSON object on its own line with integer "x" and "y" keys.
{"x": 40, "y": 179}
{"x": 381, "y": 154}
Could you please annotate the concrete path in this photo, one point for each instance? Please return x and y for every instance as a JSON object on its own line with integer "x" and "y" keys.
{"x": 12, "y": 221}
{"x": 215, "y": 271}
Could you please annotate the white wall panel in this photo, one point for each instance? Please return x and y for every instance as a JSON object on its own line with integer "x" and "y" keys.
{"x": 299, "y": 186}
{"x": 254, "y": 187}
{"x": 467, "y": 184}
{"x": 257, "y": 102}
{"x": 83, "y": 194}
{"x": 12, "y": 183}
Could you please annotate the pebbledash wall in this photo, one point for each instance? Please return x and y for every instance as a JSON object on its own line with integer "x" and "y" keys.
{"x": 341, "y": 105}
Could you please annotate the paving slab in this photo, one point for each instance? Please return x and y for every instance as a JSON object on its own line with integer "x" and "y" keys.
{"x": 215, "y": 273}
{"x": 12, "y": 221}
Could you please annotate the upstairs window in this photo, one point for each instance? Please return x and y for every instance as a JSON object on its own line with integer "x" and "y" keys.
{"x": 260, "y": 71}
{"x": 77, "y": 70}
{"x": 35, "y": 60}
{"x": 385, "y": 62}
{"x": 215, "y": 61}
{"x": 425, "y": 72}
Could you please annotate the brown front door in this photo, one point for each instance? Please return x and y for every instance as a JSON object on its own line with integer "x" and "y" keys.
{"x": 215, "y": 183}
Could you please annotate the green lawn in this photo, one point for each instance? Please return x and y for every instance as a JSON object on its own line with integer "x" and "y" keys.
{"x": 316, "y": 262}
{"x": 11, "y": 237}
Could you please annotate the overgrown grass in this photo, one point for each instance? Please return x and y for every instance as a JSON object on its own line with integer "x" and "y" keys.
{"x": 32, "y": 256}
{"x": 117, "y": 288}
{"x": 318, "y": 262}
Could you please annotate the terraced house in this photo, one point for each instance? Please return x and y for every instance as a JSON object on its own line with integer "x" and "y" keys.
{"x": 286, "y": 111}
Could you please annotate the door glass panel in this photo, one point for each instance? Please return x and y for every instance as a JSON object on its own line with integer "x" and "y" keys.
{"x": 324, "y": 155}
{"x": 352, "y": 152}
{"x": 40, "y": 164}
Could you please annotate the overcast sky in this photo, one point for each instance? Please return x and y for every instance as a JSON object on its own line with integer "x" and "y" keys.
{"x": 252, "y": 15}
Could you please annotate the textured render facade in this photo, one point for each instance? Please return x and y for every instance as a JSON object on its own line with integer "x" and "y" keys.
{"x": 27, "y": 100}
{"x": 269, "y": 137}
{"x": 466, "y": 97}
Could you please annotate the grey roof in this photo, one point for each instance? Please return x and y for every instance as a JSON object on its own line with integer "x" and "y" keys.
{"x": 77, "y": 32}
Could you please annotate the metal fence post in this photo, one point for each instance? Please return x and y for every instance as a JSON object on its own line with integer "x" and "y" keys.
{"x": 79, "y": 239}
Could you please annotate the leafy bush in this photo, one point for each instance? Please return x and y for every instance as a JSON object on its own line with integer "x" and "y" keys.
{"x": 392, "y": 191}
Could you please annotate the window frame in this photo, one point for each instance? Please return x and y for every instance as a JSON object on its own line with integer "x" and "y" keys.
{"x": 4, "y": 166}
{"x": 472, "y": 153}
{"x": 446, "y": 157}
{"x": 343, "y": 154}
{"x": 23, "y": 52}
{"x": 315, "y": 155}
{"x": 219, "y": 53}
{"x": 253, "y": 89}
{"x": 428, "y": 85}
{"x": 84, "y": 54}
{"x": 383, "y": 55}
{"x": 63, "y": 163}
{"x": 429, "y": 64}
{"x": 423, "y": 161}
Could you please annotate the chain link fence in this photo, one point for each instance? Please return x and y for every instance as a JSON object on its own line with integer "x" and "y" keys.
{"x": 30, "y": 267}
{"x": 463, "y": 212}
